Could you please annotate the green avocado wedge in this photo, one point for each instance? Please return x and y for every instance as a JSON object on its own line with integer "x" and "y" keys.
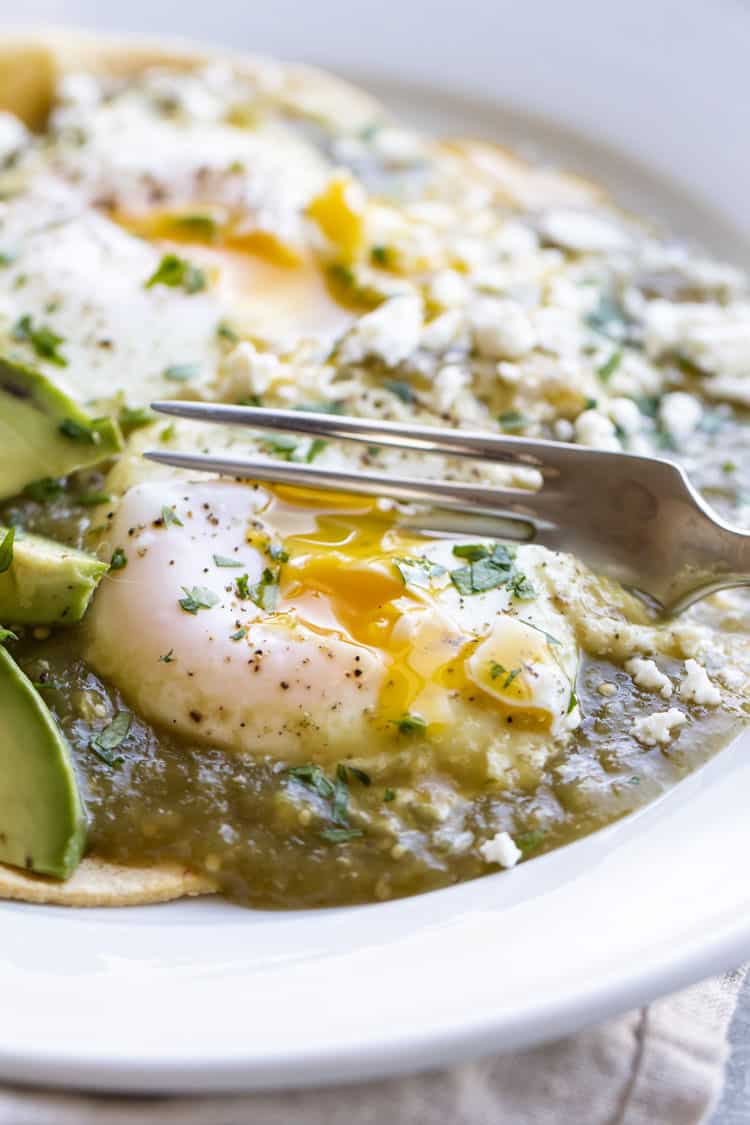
{"x": 45, "y": 582}
{"x": 42, "y": 817}
{"x": 43, "y": 432}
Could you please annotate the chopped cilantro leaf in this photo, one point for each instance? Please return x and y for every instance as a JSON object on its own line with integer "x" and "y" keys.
{"x": 243, "y": 589}
{"x": 265, "y": 592}
{"x": 340, "y": 794}
{"x": 314, "y": 778}
{"x": 239, "y": 635}
{"x": 277, "y": 553}
{"x": 198, "y": 597}
{"x": 400, "y": 389}
{"x": 520, "y": 587}
{"x": 513, "y": 420}
{"x": 410, "y": 724}
{"x": 340, "y": 835}
{"x": 169, "y": 517}
{"x": 111, "y": 737}
{"x": 511, "y": 677}
{"x": 389, "y": 794}
{"x": 6, "y": 549}
{"x": 381, "y": 256}
{"x": 168, "y": 657}
{"x": 222, "y": 560}
{"x": 42, "y": 339}
{"x": 497, "y": 669}
{"x": 607, "y": 369}
{"x": 119, "y": 559}
{"x": 177, "y": 273}
{"x": 418, "y": 571}
{"x": 225, "y": 332}
{"x": 181, "y": 372}
{"x": 572, "y": 702}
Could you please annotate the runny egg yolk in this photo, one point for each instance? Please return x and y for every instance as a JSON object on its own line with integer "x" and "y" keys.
{"x": 341, "y": 574}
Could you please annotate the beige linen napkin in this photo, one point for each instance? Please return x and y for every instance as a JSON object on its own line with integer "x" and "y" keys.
{"x": 660, "y": 1065}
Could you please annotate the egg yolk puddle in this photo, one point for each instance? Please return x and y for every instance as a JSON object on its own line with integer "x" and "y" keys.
{"x": 339, "y": 575}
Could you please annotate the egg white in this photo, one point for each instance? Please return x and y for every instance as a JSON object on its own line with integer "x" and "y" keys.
{"x": 298, "y": 681}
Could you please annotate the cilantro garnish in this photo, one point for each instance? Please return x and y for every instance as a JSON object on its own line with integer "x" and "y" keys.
{"x": 520, "y": 587}
{"x": 401, "y": 390}
{"x": 42, "y": 339}
{"x": 264, "y": 593}
{"x": 381, "y": 256}
{"x": 389, "y": 794}
{"x": 290, "y": 449}
{"x": 111, "y": 737}
{"x": 277, "y": 553}
{"x": 225, "y": 332}
{"x": 496, "y": 669}
{"x": 169, "y": 517}
{"x": 239, "y": 635}
{"x": 198, "y": 597}
{"x": 340, "y": 835}
{"x": 490, "y": 566}
{"x": 6, "y": 549}
{"x": 222, "y": 560}
{"x": 181, "y": 372}
{"x": 177, "y": 273}
{"x": 119, "y": 559}
{"x": 167, "y": 658}
{"x": 608, "y": 369}
{"x": 513, "y": 420}
{"x": 410, "y": 724}
{"x": 511, "y": 677}
{"x": 418, "y": 571}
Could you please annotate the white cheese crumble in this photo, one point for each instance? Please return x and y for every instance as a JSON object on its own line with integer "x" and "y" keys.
{"x": 12, "y": 135}
{"x": 449, "y": 289}
{"x": 502, "y": 329}
{"x": 250, "y": 371}
{"x": 697, "y": 687}
{"x": 501, "y": 849}
{"x": 659, "y": 727}
{"x": 649, "y": 676}
{"x": 582, "y": 232}
{"x": 597, "y": 431}
{"x": 390, "y": 332}
{"x": 680, "y": 413}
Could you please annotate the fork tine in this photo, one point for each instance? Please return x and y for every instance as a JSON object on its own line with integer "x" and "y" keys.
{"x": 514, "y": 503}
{"x": 535, "y": 454}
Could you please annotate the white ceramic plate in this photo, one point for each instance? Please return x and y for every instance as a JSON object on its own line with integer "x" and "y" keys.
{"x": 201, "y": 995}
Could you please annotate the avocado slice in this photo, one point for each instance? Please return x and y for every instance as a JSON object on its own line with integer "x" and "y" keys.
{"x": 42, "y": 816}
{"x": 47, "y": 583}
{"x": 44, "y": 432}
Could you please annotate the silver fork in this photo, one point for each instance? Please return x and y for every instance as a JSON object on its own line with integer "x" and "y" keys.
{"x": 635, "y": 519}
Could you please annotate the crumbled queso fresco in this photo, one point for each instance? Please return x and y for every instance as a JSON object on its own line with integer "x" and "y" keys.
{"x": 254, "y": 237}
